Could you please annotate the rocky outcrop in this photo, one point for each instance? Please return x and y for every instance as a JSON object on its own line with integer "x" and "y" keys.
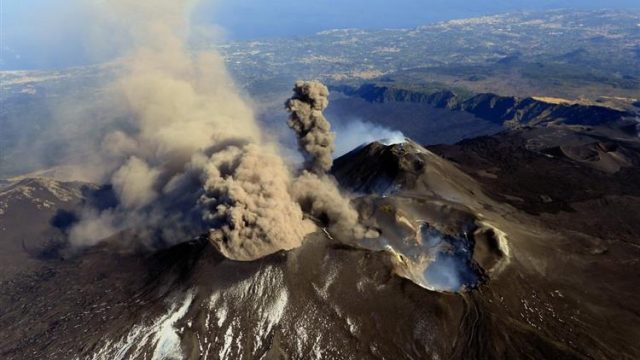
{"x": 383, "y": 94}
{"x": 509, "y": 111}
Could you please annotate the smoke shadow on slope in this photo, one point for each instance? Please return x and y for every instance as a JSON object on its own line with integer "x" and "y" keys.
{"x": 100, "y": 198}
{"x": 63, "y": 220}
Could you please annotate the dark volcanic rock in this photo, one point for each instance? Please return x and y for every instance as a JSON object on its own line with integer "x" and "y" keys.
{"x": 393, "y": 166}
{"x": 528, "y": 163}
{"x": 555, "y": 236}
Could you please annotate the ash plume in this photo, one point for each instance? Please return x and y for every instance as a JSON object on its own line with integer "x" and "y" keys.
{"x": 250, "y": 211}
{"x": 190, "y": 158}
{"x": 320, "y": 197}
{"x": 315, "y": 190}
{"x": 184, "y": 157}
{"x": 312, "y": 129}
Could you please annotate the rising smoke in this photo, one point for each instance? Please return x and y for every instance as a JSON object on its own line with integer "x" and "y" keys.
{"x": 320, "y": 197}
{"x": 195, "y": 161}
{"x": 191, "y": 159}
{"x": 315, "y": 190}
{"x": 312, "y": 129}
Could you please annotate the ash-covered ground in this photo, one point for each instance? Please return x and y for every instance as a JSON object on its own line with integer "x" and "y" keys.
{"x": 477, "y": 258}
{"x": 190, "y": 231}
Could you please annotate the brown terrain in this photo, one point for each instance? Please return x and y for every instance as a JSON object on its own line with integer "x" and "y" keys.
{"x": 521, "y": 244}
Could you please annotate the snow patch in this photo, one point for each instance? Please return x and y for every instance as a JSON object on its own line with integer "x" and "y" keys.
{"x": 263, "y": 300}
{"x": 161, "y": 335}
{"x": 167, "y": 339}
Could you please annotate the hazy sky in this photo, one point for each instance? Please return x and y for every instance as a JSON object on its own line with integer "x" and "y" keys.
{"x": 258, "y": 18}
{"x": 54, "y": 33}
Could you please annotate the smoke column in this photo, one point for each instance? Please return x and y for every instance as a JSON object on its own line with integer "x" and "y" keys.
{"x": 315, "y": 138}
{"x": 315, "y": 190}
{"x": 320, "y": 197}
{"x": 191, "y": 158}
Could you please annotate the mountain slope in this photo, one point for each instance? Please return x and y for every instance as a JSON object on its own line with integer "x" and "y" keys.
{"x": 474, "y": 261}
{"x": 28, "y": 209}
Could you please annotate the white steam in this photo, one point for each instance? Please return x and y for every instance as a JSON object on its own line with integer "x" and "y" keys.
{"x": 355, "y": 133}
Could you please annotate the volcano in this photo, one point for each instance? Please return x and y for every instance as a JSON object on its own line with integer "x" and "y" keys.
{"x": 479, "y": 256}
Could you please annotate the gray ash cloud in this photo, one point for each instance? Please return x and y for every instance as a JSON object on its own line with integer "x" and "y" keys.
{"x": 313, "y": 130}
